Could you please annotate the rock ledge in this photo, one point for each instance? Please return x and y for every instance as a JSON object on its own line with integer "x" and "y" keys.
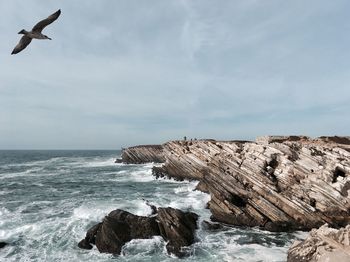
{"x": 323, "y": 244}
{"x": 279, "y": 183}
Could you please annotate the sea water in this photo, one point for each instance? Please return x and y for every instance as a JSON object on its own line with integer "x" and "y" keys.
{"x": 49, "y": 199}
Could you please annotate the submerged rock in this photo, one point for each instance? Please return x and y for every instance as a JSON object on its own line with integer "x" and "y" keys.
{"x": 279, "y": 183}
{"x": 211, "y": 226}
{"x": 119, "y": 227}
{"x": 323, "y": 244}
{"x": 3, "y": 244}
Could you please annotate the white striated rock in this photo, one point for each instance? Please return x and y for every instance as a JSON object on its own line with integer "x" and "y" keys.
{"x": 279, "y": 183}
{"x": 323, "y": 244}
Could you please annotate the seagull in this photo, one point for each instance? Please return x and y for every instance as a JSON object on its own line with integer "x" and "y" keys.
{"x": 35, "y": 33}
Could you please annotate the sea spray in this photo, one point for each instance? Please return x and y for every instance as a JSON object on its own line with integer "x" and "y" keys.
{"x": 50, "y": 198}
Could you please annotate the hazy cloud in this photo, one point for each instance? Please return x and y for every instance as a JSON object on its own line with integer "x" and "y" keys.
{"x": 126, "y": 72}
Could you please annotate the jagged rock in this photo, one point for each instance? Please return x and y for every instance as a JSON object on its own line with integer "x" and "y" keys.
{"x": 177, "y": 228}
{"x": 153, "y": 208}
{"x": 202, "y": 187}
{"x": 323, "y": 244}
{"x": 278, "y": 183}
{"x": 84, "y": 244}
{"x": 3, "y": 244}
{"x": 90, "y": 237}
{"x": 142, "y": 154}
{"x": 211, "y": 226}
{"x": 119, "y": 227}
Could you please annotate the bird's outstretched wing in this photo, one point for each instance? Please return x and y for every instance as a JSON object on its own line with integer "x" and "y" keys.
{"x": 23, "y": 43}
{"x": 43, "y": 23}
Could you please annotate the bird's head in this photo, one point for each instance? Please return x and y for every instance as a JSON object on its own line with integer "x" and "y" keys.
{"x": 22, "y": 32}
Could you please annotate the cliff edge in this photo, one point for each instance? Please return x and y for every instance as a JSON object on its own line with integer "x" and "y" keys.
{"x": 277, "y": 182}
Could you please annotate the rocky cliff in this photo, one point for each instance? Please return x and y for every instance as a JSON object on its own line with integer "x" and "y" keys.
{"x": 142, "y": 154}
{"x": 277, "y": 183}
{"x": 323, "y": 244}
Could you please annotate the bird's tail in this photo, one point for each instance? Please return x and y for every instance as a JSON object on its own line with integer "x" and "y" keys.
{"x": 23, "y": 32}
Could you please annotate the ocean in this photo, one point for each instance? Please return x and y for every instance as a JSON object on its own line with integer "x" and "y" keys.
{"x": 49, "y": 199}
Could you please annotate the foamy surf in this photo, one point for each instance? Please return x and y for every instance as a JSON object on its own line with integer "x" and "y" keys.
{"x": 47, "y": 205}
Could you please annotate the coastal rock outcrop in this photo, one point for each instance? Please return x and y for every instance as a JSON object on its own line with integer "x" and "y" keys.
{"x": 279, "y": 183}
{"x": 178, "y": 228}
{"x": 3, "y": 244}
{"x": 119, "y": 227}
{"x": 142, "y": 154}
{"x": 323, "y": 244}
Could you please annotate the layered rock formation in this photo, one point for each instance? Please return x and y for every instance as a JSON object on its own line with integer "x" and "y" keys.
{"x": 119, "y": 227}
{"x": 278, "y": 183}
{"x": 142, "y": 154}
{"x": 323, "y": 244}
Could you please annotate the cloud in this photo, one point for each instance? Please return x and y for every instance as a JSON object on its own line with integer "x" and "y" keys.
{"x": 128, "y": 72}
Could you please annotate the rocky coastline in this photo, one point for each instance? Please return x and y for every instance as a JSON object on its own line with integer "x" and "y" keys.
{"x": 323, "y": 244}
{"x": 142, "y": 154}
{"x": 277, "y": 183}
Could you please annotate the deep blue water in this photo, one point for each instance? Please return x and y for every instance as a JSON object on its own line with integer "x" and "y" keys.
{"x": 48, "y": 199}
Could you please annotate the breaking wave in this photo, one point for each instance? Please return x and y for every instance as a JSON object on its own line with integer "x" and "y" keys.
{"x": 48, "y": 199}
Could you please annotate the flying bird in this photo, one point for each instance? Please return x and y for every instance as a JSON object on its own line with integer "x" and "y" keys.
{"x": 35, "y": 33}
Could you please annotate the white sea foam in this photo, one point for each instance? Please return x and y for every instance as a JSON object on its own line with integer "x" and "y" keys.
{"x": 5, "y": 192}
{"x": 4, "y": 211}
{"x": 252, "y": 253}
{"x": 48, "y": 227}
{"x": 143, "y": 247}
{"x": 93, "y": 211}
{"x": 183, "y": 196}
{"x": 35, "y": 163}
{"x": 35, "y": 171}
{"x": 100, "y": 162}
{"x": 140, "y": 175}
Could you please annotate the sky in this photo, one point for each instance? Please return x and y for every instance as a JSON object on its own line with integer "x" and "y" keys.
{"x": 128, "y": 72}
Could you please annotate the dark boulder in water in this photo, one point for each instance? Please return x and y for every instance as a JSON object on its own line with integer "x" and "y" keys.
{"x": 3, "y": 244}
{"x": 84, "y": 244}
{"x": 178, "y": 228}
{"x": 120, "y": 226}
{"x": 209, "y": 226}
{"x": 90, "y": 237}
{"x": 118, "y": 161}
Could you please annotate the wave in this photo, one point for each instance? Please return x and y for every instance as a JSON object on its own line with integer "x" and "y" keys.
{"x": 97, "y": 162}
{"x": 47, "y": 226}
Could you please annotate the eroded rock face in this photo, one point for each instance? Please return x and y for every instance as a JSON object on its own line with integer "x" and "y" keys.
{"x": 278, "y": 183}
{"x": 120, "y": 226}
{"x": 323, "y": 244}
{"x": 178, "y": 228}
{"x": 143, "y": 154}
